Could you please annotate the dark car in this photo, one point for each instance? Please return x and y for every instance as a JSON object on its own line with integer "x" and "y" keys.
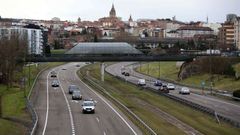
{"x": 76, "y": 95}
{"x": 157, "y": 83}
{"x": 127, "y": 74}
{"x": 72, "y": 88}
{"x": 164, "y": 88}
{"x": 53, "y": 74}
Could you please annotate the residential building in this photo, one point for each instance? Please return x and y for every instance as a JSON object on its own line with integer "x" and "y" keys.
{"x": 227, "y": 37}
{"x": 34, "y": 37}
{"x": 237, "y": 33}
{"x": 214, "y": 26}
{"x": 189, "y": 31}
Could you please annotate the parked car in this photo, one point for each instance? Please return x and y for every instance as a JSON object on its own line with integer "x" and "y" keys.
{"x": 72, "y": 88}
{"x": 76, "y": 95}
{"x": 123, "y": 72}
{"x": 157, "y": 83}
{"x": 77, "y": 65}
{"x": 170, "y": 86}
{"x": 141, "y": 82}
{"x": 55, "y": 83}
{"x": 88, "y": 106}
{"x": 184, "y": 90}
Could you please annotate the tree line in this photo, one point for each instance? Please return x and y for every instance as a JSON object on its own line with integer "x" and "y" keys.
{"x": 12, "y": 54}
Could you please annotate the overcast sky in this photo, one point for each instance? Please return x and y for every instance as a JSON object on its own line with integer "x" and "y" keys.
{"x": 184, "y": 10}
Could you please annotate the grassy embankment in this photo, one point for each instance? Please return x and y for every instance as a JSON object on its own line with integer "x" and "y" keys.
{"x": 14, "y": 103}
{"x": 169, "y": 70}
{"x": 140, "y": 102}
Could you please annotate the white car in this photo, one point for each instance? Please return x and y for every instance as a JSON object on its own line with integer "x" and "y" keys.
{"x": 141, "y": 82}
{"x": 170, "y": 86}
{"x": 184, "y": 90}
{"x": 88, "y": 106}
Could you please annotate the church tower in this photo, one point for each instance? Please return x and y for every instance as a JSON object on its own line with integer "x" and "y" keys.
{"x": 112, "y": 12}
{"x": 130, "y": 19}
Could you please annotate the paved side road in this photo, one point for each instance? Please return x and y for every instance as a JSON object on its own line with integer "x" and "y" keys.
{"x": 222, "y": 107}
{"x": 60, "y": 115}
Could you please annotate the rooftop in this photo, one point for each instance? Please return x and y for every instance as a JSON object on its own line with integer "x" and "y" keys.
{"x": 103, "y": 48}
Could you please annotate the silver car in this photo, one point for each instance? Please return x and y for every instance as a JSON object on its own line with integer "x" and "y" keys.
{"x": 76, "y": 95}
{"x": 55, "y": 83}
{"x": 184, "y": 90}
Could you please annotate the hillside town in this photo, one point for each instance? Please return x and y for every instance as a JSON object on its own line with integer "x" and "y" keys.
{"x": 150, "y": 33}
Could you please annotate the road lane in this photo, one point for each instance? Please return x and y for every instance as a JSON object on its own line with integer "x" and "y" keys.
{"x": 109, "y": 121}
{"x": 104, "y": 121}
{"x": 222, "y": 107}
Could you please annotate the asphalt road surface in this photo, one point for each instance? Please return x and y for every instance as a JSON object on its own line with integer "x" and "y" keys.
{"x": 60, "y": 115}
{"x": 225, "y": 108}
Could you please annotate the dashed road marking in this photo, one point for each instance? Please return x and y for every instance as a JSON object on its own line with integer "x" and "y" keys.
{"x": 134, "y": 132}
{"x": 69, "y": 109}
{"x": 97, "y": 119}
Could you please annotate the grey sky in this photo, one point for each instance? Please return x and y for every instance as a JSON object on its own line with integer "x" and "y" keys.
{"x": 184, "y": 10}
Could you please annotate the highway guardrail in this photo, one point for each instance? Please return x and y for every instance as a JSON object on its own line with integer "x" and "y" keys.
{"x": 193, "y": 105}
{"x": 120, "y": 105}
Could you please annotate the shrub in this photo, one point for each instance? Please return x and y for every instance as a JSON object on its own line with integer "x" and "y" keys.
{"x": 236, "y": 93}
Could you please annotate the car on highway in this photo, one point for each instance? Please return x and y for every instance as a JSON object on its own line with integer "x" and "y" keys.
{"x": 141, "y": 82}
{"x": 53, "y": 74}
{"x": 72, "y": 88}
{"x": 157, "y": 83}
{"x": 76, "y": 95}
{"x": 184, "y": 90}
{"x": 164, "y": 88}
{"x": 170, "y": 86}
{"x": 127, "y": 74}
{"x": 55, "y": 83}
{"x": 88, "y": 106}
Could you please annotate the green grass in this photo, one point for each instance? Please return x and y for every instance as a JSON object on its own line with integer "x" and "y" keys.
{"x": 169, "y": 70}
{"x": 58, "y": 51}
{"x": 13, "y": 101}
{"x": 11, "y": 128}
{"x": 135, "y": 98}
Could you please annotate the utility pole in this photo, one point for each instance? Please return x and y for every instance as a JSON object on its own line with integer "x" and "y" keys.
{"x": 159, "y": 69}
{"x": 148, "y": 69}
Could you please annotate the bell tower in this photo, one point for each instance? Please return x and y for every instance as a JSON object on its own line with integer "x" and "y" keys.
{"x": 112, "y": 13}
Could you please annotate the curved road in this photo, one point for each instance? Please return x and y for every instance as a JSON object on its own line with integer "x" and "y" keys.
{"x": 60, "y": 115}
{"x": 227, "y": 109}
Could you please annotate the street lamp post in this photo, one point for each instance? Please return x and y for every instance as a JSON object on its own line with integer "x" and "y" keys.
{"x": 159, "y": 69}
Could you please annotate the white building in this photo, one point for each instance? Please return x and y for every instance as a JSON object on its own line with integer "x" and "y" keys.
{"x": 190, "y": 31}
{"x": 34, "y": 38}
{"x": 237, "y": 32}
{"x": 214, "y": 26}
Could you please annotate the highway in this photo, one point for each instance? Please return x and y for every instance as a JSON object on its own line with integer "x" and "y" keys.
{"x": 225, "y": 108}
{"x": 59, "y": 115}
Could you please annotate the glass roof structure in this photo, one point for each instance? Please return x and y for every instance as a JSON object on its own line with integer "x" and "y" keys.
{"x": 103, "y": 48}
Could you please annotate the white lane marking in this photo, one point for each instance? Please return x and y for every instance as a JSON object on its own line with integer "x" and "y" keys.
{"x": 97, "y": 119}
{"x": 46, "y": 119}
{"x": 104, "y": 133}
{"x": 69, "y": 108}
{"x": 108, "y": 105}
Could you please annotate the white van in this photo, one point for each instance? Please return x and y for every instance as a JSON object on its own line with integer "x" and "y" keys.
{"x": 141, "y": 82}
